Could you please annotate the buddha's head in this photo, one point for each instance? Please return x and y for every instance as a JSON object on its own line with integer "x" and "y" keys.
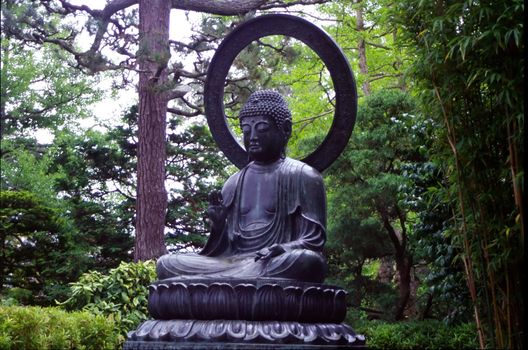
{"x": 266, "y": 125}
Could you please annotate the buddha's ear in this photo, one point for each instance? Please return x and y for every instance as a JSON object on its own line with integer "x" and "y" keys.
{"x": 287, "y": 128}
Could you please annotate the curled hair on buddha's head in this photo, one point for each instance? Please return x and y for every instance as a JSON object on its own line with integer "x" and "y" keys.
{"x": 267, "y": 103}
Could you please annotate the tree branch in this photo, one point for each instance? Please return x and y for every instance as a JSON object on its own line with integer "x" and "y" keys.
{"x": 183, "y": 113}
{"x": 402, "y": 219}
{"x": 392, "y": 233}
{"x": 382, "y": 76}
{"x": 378, "y": 45}
{"x": 95, "y": 62}
{"x": 282, "y": 4}
{"x": 219, "y": 7}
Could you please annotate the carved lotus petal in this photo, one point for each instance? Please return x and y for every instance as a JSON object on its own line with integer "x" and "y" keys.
{"x": 269, "y": 303}
{"x": 278, "y": 330}
{"x": 180, "y": 329}
{"x": 144, "y": 329}
{"x": 198, "y": 294}
{"x": 339, "y": 311}
{"x": 221, "y": 301}
{"x": 292, "y": 303}
{"x": 160, "y": 330}
{"x": 153, "y": 301}
{"x": 179, "y": 301}
{"x": 252, "y": 332}
{"x": 245, "y": 294}
{"x": 311, "y": 309}
{"x": 236, "y": 330}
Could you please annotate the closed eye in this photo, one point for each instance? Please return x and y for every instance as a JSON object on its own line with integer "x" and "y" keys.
{"x": 262, "y": 126}
{"x": 246, "y": 130}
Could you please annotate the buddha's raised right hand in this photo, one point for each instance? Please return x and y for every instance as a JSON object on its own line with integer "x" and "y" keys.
{"x": 216, "y": 212}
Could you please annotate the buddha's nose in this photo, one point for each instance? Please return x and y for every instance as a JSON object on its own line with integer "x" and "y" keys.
{"x": 253, "y": 135}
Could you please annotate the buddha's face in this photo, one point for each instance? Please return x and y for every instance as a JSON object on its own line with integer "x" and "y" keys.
{"x": 263, "y": 139}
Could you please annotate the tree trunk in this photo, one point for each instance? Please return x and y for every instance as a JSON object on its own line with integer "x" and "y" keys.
{"x": 363, "y": 67}
{"x": 403, "y": 266}
{"x": 4, "y": 57}
{"x": 427, "y": 308}
{"x": 398, "y": 64}
{"x": 153, "y": 56}
{"x": 357, "y": 283}
{"x": 404, "y": 263}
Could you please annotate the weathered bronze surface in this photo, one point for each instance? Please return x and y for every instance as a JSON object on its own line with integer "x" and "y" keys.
{"x": 252, "y": 300}
{"x": 258, "y": 279}
{"x": 271, "y": 219}
{"x": 247, "y": 331}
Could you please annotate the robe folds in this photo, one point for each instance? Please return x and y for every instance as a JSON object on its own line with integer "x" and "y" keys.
{"x": 298, "y": 225}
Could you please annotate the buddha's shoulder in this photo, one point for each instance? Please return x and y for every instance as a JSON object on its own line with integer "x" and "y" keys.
{"x": 304, "y": 170}
{"x": 231, "y": 183}
{"x": 228, "y": 190}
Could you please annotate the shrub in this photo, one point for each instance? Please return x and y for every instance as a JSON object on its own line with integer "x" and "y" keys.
{"x": 36, "y": 245}
{"x": 32, "y": 327}
{"x": 427, "y": 334}
{"x": 121, "y": 294}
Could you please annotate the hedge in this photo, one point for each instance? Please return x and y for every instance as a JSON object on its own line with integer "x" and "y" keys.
{"x": 53, "y": 328}
{"x": 28, "y": 327}
{"x": 427, "y": 334}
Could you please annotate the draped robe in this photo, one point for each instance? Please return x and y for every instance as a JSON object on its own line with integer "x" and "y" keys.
{"x": 298, "y": 225}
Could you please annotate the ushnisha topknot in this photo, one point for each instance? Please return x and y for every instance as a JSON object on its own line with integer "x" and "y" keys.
{"x": 266, "y": 103}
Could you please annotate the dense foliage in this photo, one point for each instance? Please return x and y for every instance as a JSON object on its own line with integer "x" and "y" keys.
{"x": 121, "y": 294}
{"x": 371, "y": 215}
{"x": 38, "y": 250}
{"x": 40, "y": 89}
{"x": 86, "y": 182}
{"x": 468, "y": 69}
{"x": 429, "y": 334}
{"x": 425, "y": 205}
{"x": 88, "y": 231}
{"x": 28, "y": 328}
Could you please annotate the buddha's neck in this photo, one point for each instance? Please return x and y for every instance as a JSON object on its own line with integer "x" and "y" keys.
{"x": 265, "y": 166}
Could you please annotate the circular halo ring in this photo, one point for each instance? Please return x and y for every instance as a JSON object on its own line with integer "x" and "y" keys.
{"x": 325, "y": 47}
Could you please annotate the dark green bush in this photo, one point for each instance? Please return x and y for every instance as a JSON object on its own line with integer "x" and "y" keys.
{"x": 30, "y": 327}
{"x": 37, "y": 249}
{"x": 15, "y": 296}
{"x": 427, "y": 334}
{"x": 121, "y": 294}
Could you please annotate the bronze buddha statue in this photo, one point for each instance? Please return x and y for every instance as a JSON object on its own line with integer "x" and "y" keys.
{"x": 269, "y": 220}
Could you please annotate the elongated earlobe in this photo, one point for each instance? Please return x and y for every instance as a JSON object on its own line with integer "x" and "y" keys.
{"x": 287, "y": 128}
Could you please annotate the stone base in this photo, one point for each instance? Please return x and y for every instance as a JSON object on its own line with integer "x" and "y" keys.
{"x": 263, "y": 313}
{"x": 228, "y": 334}
{"x": 262, "y": 299}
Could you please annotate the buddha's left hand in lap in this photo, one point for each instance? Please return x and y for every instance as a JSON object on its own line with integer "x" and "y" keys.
{"x": 270, "y": 252}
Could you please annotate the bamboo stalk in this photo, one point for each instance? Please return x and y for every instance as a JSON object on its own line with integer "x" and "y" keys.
{"x": 468, "y": 266}
{"x": 517, "y": 194}
{"x": 490, "y": 279}
{"x": 508, "y": 313}
{"x": 514, "y": 161}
